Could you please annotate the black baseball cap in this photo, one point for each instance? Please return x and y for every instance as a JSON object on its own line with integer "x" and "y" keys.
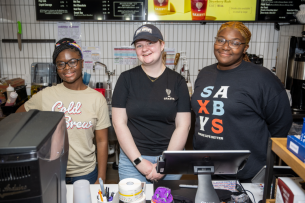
{"x": 149, "y": 32}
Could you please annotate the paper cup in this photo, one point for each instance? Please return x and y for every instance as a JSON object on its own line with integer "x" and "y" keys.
{"x": 81, "y": 191}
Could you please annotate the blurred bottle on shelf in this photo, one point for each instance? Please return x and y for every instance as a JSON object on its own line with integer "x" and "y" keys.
{"x": 11, "y": 99}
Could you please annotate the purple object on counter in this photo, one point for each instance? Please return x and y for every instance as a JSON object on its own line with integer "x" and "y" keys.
{"x": 162, "y": 195}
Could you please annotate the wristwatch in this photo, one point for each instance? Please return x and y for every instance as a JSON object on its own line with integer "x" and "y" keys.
{"x": 137, "y": 161}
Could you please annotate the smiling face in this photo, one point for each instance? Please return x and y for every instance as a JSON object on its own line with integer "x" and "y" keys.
{"x": 227, "y": 57}
{"x": 148, "y": 52}
{"x": 70, "y": 75}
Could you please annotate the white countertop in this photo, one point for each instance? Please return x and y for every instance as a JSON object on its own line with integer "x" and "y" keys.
{"x": 254, "y": 188}
{"x": 112, "y": 188}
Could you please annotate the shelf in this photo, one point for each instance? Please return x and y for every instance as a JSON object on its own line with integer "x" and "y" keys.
{"x": 279, "y": 148}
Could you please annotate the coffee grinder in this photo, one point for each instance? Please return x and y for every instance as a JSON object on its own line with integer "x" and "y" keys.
{"x": 295, "y": 73}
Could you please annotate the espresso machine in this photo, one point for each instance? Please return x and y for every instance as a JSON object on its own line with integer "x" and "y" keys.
{"x": 34, "y": 151}
{"x": 295, "y": 73}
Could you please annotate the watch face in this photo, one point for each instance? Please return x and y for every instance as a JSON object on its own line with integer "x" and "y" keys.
{"x": 137, "y": 161}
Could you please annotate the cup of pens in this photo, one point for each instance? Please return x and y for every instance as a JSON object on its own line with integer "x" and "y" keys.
{"x": 105, "y": 198}
{"x": 104, "y": 195}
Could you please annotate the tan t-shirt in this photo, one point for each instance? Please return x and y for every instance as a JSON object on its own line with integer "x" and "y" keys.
{"x": 85, "y": 111}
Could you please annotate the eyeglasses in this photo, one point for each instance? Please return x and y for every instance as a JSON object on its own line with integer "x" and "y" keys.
{"x": 234, "y": 44}
{"x": 72, "y": 64}
{"x": 147, "y": 44}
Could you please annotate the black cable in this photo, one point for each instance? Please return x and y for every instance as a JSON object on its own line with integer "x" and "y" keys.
{"x": 236, "y": 182}
{"x": 240, "y": 188}
{"x": 248, "y": 191}
{"x": 252, "y": 195}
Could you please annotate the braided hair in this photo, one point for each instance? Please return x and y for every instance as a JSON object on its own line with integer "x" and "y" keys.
{"x": 63, "y": 44}
{"x": 244, "y": 31}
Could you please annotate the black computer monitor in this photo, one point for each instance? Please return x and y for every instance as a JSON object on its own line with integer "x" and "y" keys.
{"x": 203, "y": 163}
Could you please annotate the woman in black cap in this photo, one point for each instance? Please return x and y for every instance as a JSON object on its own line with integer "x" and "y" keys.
{"x": 150, "y": 109}
{"x": 86, "y": 114}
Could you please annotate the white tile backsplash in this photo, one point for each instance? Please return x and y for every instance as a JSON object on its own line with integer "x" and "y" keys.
{"x": 195, "y": 39}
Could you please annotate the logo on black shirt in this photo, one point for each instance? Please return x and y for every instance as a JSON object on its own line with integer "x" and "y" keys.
{"x": 168, "y": 92}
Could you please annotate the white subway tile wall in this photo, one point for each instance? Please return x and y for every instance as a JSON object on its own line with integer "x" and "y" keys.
{"x": 194, "y": 38}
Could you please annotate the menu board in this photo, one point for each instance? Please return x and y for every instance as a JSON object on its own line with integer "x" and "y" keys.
{"x": 202, "y": 10}
{"x": 278, "y": 10}
{"x": 90, "y": 10}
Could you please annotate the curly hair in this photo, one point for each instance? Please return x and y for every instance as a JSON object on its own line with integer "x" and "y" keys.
{"x": 244, "y": 31}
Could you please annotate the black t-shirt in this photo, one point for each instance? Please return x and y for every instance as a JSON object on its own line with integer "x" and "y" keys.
{"x": 240, "y": 109}
{"x": 151, "y": 107}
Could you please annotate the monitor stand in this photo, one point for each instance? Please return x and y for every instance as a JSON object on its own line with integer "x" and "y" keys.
{"x": 205, "y": 191}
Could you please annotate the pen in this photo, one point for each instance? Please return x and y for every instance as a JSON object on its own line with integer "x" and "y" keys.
{"x": 111, "y": 197}
{"x": 106, "y": 194}
{"x": 102, "y": 185}
{"x": 101, "y": 196}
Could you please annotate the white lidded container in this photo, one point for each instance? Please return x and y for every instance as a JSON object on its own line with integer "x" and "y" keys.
{"x": 9, "y": 89}
{"x": 11, "y": 99}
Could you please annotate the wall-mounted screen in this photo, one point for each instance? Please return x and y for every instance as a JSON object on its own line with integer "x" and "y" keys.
{"x": 90, "y": 10}
{"x": 278, "y": 10}
{"x": 201, "y": 10}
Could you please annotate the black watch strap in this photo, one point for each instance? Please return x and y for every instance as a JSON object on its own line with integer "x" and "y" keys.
{"x": 137, "y": 161}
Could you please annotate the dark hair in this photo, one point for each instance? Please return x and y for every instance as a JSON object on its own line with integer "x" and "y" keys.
{"x": 63, "y": 44}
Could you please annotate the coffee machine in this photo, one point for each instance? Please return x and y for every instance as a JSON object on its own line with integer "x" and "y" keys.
{"x": 295, "y": 73}
{"x": 33, "y": 157}
{"x": 298, "y": 84}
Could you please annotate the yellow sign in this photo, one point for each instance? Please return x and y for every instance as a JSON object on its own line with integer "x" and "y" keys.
{"x": 201, "y": 10}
